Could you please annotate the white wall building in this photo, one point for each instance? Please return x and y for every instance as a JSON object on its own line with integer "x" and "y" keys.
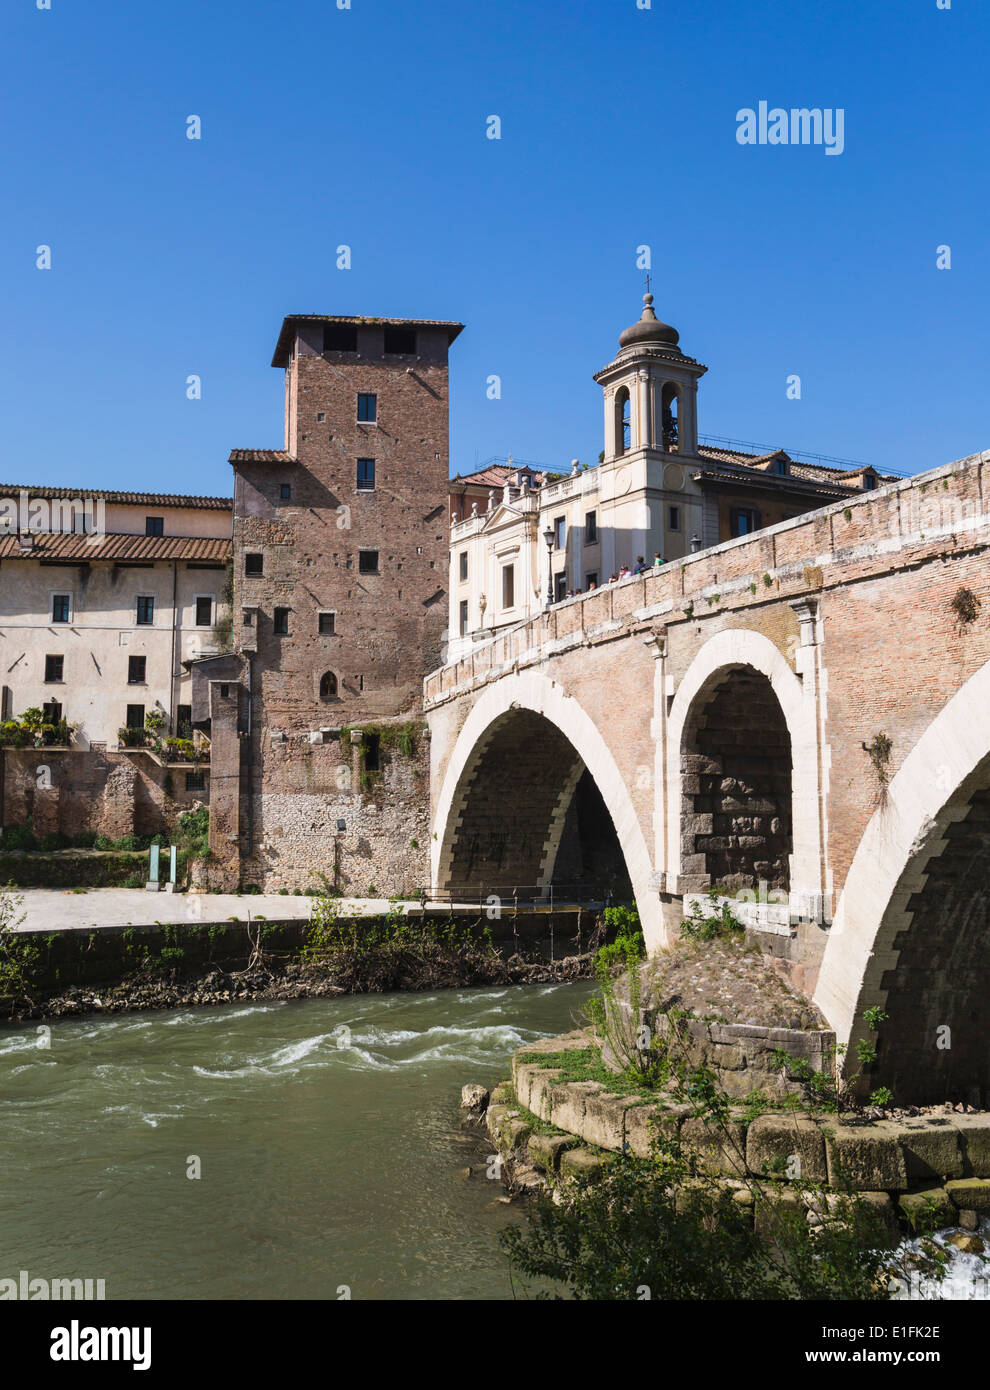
{"x": 98, "y": 622}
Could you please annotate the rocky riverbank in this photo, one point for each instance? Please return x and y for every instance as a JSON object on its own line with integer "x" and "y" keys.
{"x": 274, "y": 980}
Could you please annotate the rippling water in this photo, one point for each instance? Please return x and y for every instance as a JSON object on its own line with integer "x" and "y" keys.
{"x": 328, "y": 1157}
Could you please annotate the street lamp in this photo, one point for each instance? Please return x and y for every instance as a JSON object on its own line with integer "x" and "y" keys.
{"x": 548, "y": 537}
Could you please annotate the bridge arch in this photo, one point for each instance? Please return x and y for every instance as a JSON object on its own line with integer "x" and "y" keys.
{"x": 745, "y": 657}
{"x": 912, "y": 925}
{"x": 567, "y": 753}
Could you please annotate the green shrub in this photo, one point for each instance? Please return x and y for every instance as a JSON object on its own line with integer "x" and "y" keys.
{"x": 19, "y": 836}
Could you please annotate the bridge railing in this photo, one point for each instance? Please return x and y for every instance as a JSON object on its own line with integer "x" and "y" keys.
{"x": 509, "y": 896}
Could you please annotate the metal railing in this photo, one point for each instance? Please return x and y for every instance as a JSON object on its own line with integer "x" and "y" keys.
{"x": 510, "y": 896}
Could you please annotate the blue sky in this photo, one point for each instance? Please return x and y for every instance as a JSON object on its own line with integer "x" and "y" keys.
{"x": 367, "y": 127}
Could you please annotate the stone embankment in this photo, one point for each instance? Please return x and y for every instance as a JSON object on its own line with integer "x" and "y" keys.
{"x": 921, "y": 1166}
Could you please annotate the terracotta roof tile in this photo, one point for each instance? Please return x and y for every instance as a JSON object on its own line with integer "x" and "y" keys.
{"x": 117, "y": 548}
{"x": 261, "y": 456}
{"x": 138, "y": 499}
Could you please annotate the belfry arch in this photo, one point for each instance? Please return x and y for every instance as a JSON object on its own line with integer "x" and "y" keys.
{"x": 532, "y": 795}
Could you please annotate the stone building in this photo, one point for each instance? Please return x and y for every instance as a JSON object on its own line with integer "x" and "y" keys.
{"x": 105, "y": 600}
{"x": 522, "y": 540}
{"x": 340, "y": 606}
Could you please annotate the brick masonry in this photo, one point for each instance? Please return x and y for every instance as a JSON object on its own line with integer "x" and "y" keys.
{"x": 113, "y": 794}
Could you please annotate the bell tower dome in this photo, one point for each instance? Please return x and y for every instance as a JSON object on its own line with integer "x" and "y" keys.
{"x": 650, "y": 391}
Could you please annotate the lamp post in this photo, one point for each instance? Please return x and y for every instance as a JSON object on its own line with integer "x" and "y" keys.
{"x": 548, "y": 537}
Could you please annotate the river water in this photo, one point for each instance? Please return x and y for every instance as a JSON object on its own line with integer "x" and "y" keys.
{"x": 327, "y": 1158}
{"x": 326, "y": 1134}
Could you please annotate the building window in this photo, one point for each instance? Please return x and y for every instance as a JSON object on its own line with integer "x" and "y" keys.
{"x": 53, "y": 668}
{"x": 195, "y": 781}
{"x": 61, "y": 608}
{"x": 401, "y": 341}
{"x": 136, "y": 669}
{"x": 204, "y": 610}
{"x": 559, "y": 532}
{"x": 253, "y": 564}
{"x": 145, "y": 610}
{"x": 591, "y": 528}
{"x": 559, "y": 587}
{"x": 869, "y": 482}
{"x": 367, "y": 562}
{"x": 371, "y": 746}
{"x": 285, "y": 492}
{"x": 366, "y": 475}
{"x": 135, "y": 717}
{"x": 183, "y": 722}
{"x": 367, "y": 409}
{"x": 743, "y": 521}
{"x": 591, "y": 579}
{"x": 780, "y": 467}
{"x": 462, "y": 561}
{"x": 328, "y": 686}
{"x": 154, "y": 526}
{"x": 51, "y": 712}
{"x": 508, "y": 586}
{"x": 328, "y": 624}
{"x": 673, "y": 518}
{"x": 339, "y": 337}
{"x": 464, "y": 618}
{"x": 281, "y": 622}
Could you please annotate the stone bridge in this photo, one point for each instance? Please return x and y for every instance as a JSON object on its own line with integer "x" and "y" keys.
{"x": 801, "y": 717}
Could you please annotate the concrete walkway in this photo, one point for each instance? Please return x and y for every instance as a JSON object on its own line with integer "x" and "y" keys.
{"x": 65, "y": 909}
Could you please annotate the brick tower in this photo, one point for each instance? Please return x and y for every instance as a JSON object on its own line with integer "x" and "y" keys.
{"x": 339, "y": 607}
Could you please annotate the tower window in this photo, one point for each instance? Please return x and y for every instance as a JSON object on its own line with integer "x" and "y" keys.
{"x": 401, "y": 341}
{"x": 371, "y": 745}
{"x": 623, "y": 420}
{"x": 328, "y": 686}
{"x": 367, "y": 562}
{"x": 280, "y": 622}
{"x": 154, "y": 526}
{"x": 669, "y": 408}
{"x": 328, "y": 624}
{"x": 339, "y": 337}
{"x": 254, "y": 564}
{"x": 61, "y": 608}
{"x": 367, "y": 407}
{"x": 366, "y": 475}
{"x": 53, "y": 668}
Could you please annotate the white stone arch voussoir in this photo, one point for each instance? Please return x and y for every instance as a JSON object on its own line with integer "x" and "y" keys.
{"x": 739, "y": 647}
{"x": 921, "y": 799}
{"x": 532, "y": 691}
